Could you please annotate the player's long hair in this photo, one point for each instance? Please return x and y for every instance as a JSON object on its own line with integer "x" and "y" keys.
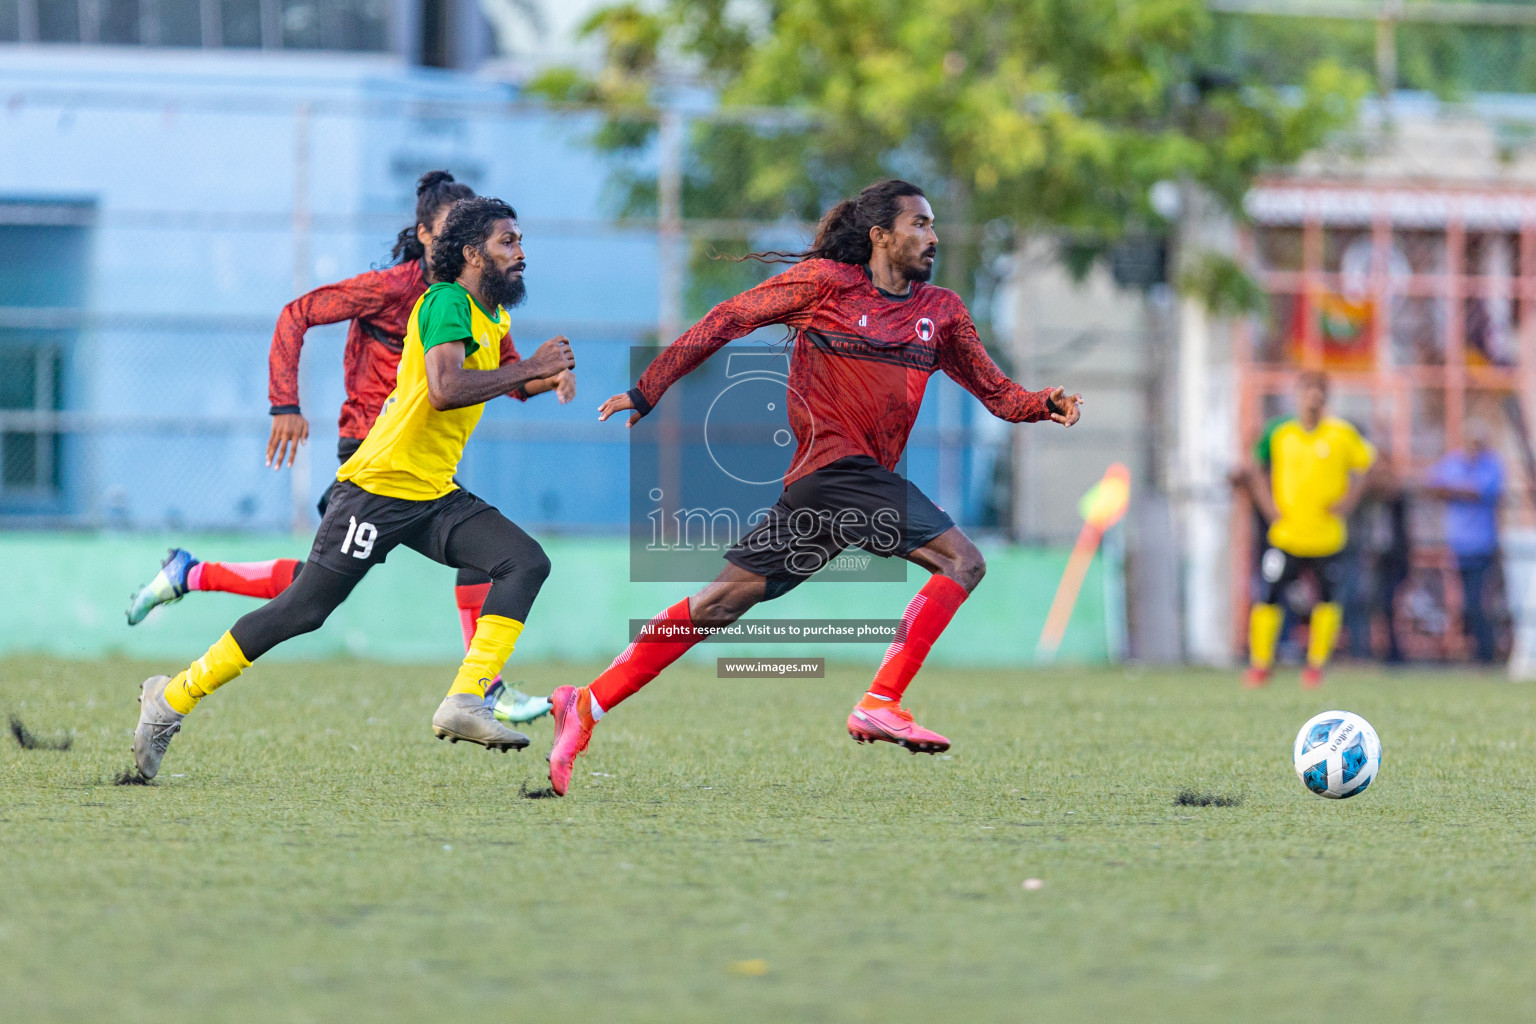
{"x": 469, "y": 223}
{"x": 434, "y": 190}
{"x": 843, "y": 234}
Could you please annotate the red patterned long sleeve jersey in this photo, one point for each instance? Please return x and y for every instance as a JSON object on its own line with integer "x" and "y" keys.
{"x": 379, "y": 304}
{"x": 861, "y": 360}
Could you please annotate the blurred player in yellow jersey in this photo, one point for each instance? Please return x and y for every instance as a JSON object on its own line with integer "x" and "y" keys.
{"x": 1308, "y": 475}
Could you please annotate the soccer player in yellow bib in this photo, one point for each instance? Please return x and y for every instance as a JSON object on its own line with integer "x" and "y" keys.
{"x": 1308, "y": 477}
{"x": 398, "y": 488}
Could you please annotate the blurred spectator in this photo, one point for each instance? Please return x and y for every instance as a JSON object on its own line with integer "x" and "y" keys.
{"x": 1386, "y": 531}
{"x": 1380, "y": 553}
{"x": 1471, "y": 482}
{"x": 1356, "y": 594}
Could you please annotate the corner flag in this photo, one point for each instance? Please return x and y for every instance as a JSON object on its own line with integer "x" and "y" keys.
{"x": 1102, "y": 507}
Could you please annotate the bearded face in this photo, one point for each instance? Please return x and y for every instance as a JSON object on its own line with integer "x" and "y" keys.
{"x": 921, "y": 268}
{"x": 503, "y": 285}
{"x": 913, "y": 244}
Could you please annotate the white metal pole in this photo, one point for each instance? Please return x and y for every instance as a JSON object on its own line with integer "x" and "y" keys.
{"x": 1024, "y": 519}
{"x": 1199, "y": 516}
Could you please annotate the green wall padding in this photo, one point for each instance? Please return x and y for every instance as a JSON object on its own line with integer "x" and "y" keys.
{"x": 65, "y": 594}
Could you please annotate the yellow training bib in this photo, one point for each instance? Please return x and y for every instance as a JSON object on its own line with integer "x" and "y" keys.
{"x": 413, "y": 449}
{"x": 1309, "y": 472}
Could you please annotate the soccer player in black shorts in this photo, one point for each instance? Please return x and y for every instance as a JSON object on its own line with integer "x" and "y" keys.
{"x": 398, "y": 488}
{"x": 379, "y": 304}
{"x": 1308, "y": 475}
{"x": 869, "y": 331}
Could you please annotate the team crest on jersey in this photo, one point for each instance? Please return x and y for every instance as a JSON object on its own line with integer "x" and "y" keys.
{"x": 925, "y": 329}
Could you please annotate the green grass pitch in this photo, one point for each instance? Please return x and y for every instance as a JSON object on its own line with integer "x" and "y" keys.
{"x": 311, "y": 853}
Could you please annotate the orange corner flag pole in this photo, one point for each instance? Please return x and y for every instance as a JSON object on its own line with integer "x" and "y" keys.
{"x": 1102, "y": 507}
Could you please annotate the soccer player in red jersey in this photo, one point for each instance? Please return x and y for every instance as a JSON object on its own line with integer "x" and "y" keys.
{"x": 868, "y": 333}
{"x": 378, "y": 303}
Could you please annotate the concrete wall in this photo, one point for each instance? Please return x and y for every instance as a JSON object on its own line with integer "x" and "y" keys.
{"x": 1089, "y": 336}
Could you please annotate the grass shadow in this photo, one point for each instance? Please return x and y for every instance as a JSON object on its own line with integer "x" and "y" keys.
{"x": 30, "y": 740}
{"x": 1189, "y": 798}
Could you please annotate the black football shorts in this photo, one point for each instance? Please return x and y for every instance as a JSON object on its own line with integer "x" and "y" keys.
{"x": 361, "y": 528}
{"x": 853, "y": 502}
{"x": 1279, "y": 569}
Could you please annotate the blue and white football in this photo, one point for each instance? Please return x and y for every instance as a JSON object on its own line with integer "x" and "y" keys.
{"x": 1337, "y": 754}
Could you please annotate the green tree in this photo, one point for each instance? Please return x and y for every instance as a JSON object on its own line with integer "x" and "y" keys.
{"x": 1023, "y": 115}
{"x": 1451, "y": 61}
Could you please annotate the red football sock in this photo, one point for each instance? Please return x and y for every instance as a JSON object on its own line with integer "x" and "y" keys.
{"x": 470, "y": 600}
{"x": 644, "y": 659}
{"x": 926, "y": 617}
{"x": 253, "y": 579}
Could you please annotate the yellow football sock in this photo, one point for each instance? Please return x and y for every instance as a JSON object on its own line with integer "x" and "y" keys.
{"x": 223, "y": 662}
{"x": 1263, "y": 634}
{"x": 495, "y": 636}
{"x": 1327, "y": 617}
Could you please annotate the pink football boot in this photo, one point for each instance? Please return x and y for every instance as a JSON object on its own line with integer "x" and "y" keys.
{"x": 572, "y": 709}
{"x": 893, "y": 724}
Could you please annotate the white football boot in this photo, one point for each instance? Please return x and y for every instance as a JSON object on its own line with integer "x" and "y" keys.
{"x": 158, "y": 722}
{"x": 463, "y": 716}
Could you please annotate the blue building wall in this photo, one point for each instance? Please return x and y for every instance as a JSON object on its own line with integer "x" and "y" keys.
{"x": 194, "y": 165}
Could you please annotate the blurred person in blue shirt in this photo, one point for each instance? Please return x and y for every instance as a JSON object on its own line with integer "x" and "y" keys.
{"x": 1471, "y": 482}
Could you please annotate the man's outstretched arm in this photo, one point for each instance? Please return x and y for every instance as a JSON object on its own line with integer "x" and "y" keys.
{"x": 782, "y": 299}
{"x": 965, "y": 360}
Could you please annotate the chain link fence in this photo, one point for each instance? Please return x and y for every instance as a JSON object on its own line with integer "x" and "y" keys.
{"x": 155, "y": 231}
